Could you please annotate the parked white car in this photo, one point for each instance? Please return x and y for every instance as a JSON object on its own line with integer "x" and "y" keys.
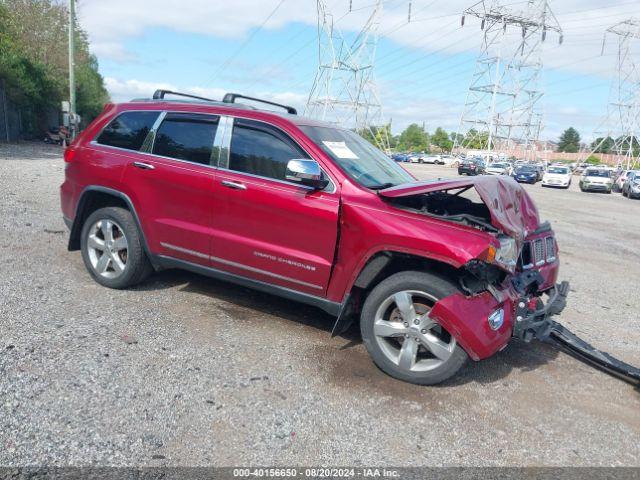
{"x": 557, "y": 176}
{"x": 597, "y": 179}
{"x": 435, "y": 159}
{"x": 499, "y": 168}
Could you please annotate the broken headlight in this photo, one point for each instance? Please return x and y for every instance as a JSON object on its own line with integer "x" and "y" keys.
{"x": 506, "y": 255}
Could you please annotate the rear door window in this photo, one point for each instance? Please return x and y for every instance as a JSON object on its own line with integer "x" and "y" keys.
{"x": 186, "y": 136}
{"x": 128, "y": 130}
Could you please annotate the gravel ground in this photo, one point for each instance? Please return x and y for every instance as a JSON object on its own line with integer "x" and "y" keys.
{"x": 184, "y": 370}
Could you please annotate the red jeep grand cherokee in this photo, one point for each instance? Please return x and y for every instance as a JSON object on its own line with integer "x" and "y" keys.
{"x": 436, "y": 271}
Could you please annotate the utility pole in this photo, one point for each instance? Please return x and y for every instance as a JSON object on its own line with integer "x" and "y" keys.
{"x": 622, "y": 123}
{"x": 501, "y": 108}
{"x": 72, "y": 76}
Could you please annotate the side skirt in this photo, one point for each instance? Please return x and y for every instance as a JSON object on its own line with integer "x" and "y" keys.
{"x": 328, "y": 306}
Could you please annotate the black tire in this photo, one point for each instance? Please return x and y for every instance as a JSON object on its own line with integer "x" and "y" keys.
{"x": 137, "y": 266}
{"x": 410, "y": 280}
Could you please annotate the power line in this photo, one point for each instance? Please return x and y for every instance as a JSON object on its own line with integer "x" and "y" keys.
{"x": 241, "y": 47}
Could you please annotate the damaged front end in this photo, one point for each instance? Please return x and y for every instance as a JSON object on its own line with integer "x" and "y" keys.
{"x": 510, "y": 290}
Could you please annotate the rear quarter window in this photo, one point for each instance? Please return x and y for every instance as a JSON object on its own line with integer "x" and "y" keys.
{"x": 128, "y": 130}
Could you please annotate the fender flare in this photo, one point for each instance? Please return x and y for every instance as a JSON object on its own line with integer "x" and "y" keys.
{"x": 371, "y": 265}
{"x": 388, "y": 251}
{"x": 76, "y": 226}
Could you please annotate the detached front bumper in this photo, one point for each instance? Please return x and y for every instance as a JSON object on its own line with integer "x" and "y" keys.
{"x": 533, "y": 316}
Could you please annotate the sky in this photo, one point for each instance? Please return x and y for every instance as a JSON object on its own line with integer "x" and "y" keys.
{"x": 423, "y": 68}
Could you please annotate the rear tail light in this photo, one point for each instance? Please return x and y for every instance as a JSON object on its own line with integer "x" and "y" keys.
{"x": 69, "y": 154}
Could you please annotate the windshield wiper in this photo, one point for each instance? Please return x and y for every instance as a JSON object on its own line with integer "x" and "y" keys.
{"x": 382, "y": 186}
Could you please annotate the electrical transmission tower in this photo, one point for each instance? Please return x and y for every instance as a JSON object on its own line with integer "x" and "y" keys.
{"x": 502, "y": 106}
{"x": 621, "y": 127}
{"x": 344, "y": 91}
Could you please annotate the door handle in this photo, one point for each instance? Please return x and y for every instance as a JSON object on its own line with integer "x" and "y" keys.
{"x": 143, "y": 166}
{"x": 234, "y": 185}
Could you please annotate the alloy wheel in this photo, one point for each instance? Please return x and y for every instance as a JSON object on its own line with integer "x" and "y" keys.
{"x": 406, "y": 334}
{"x": 107, "y": 247}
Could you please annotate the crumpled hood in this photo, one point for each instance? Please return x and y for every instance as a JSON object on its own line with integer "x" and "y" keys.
{"x": 512, "y": 209}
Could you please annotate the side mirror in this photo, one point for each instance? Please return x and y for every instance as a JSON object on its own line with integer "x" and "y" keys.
{"x": 306, "y": 172}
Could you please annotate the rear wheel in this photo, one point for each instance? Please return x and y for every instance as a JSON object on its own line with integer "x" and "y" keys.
{"x": 112, "y": 248}
{"x": 401, "y": 338}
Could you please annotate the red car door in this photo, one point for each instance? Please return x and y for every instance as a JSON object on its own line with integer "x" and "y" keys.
{"x": 172, "y": 186}
{"x": 265, "y": 227}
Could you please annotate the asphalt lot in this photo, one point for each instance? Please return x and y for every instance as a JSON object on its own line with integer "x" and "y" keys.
{"x": 184, "y": 370}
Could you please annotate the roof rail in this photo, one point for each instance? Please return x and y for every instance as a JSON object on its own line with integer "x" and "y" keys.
{"x": 159, "y": 95}
{"x": 231, "y": 98}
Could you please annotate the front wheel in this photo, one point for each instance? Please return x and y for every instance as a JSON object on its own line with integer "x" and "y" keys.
{"x": 401, "y": 338}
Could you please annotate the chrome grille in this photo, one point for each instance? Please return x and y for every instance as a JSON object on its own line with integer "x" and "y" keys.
{"x": 538, "y": 252}
{"x": 551, "y": 249}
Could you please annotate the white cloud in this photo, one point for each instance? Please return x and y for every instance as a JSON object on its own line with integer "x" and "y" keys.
{"x": 435, "y": 30}
{"x": 434, "y": 26}
{"x": 114, "y": 21}
{"x": 113, "y": 50}
{"x": 126, "y": 90}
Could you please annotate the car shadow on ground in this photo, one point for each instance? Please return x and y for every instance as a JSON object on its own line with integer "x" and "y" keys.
{"x": 239, "y": 298}
{"x": 351, "y": 366}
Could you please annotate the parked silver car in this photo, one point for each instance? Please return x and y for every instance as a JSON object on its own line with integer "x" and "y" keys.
{"x": 631, "y": 186}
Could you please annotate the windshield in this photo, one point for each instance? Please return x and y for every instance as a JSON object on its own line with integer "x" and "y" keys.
{"x": 597, "y": 173}
{"x": 560, "y": 170}
{"x": 525, "y": 170}
{"x": 363, "y": 162}
{"x": 498, "y": 165}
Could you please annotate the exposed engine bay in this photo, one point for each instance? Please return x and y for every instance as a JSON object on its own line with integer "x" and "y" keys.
{"x": 455, "y": 207}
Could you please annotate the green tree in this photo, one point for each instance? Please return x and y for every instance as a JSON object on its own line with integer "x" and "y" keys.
{"x": 413, "y": 138}
{"x": 34, "y": 64}
{"x": 378, "y": 136}
{"x": 476, "y": 140}
{"x": 629, "y": 143}
{"x": 593, "y": 160}
{"x": 602, "y": 145}
{"x": 455, "y": 136}
{"x": 569, "y": 141}
{"x": 441, "y": 139}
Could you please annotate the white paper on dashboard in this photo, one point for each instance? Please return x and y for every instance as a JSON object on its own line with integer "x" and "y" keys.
{"x": 340, "y": 150}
